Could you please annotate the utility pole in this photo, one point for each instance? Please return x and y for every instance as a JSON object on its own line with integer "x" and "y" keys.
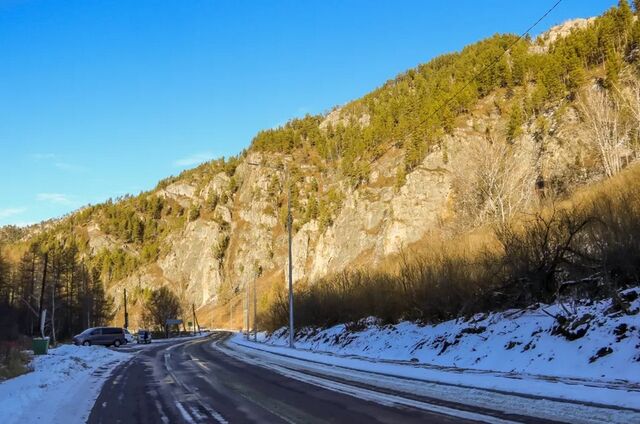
{"x": 126, "y": 314}
{"x": 255, "y": 310}
{"x": 289, "y": 225}
{"x": 231, "y": 314}
{"x": 246, "y": 311}
{"x": 195, "y": 319}
{"x": 290, "y": 222}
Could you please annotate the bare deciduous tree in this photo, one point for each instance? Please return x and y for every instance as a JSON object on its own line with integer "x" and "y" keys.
{"x": 601, "y": 113}
{"x": 495, "y": 180}
{"x": 630, "y": 96}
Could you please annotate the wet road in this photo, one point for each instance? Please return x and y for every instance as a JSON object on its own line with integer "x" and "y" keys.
{"x": 192, "y": 382}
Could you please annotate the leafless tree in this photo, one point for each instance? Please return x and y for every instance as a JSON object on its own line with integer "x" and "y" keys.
{"x": 495, "y": 180}
{"x": 630, "y": 96}
{"x": 602, "y": 113}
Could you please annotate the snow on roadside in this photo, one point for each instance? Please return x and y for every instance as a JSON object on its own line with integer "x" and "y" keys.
{"x": 541, "y": 398}
{"x": 522, "y": 342}
{"x": 62, "y": 387}
{"x": 512, "y": 351}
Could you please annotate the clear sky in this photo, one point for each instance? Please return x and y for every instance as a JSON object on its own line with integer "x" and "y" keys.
{"x": 101, "y": 98}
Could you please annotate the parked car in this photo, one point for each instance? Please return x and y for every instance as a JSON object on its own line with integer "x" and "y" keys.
{"x": 128, "y": 337}
{"x": 105, "y": 336}
{"x": 144, "y": 336}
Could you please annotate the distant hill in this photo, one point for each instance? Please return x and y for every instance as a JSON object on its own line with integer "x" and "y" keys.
{"x": 467, "y": 140}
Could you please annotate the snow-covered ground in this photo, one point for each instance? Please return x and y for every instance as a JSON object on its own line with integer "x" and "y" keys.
{"x": 62, "y": 387}
{"x": 520, "y": 351}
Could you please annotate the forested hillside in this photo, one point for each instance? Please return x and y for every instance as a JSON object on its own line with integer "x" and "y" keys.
{"x": 483, "y": 179}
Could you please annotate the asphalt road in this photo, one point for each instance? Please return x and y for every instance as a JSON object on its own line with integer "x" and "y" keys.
{"x": 192, "y": 382}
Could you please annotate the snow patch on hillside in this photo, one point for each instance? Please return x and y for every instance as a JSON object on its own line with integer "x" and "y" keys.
{"x": 62, "y": 387}
{"x": 600, "y": 344}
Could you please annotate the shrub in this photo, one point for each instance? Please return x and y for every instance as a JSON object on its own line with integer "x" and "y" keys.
{"x": 13, "y": 361}
{"x": 592, "y": 241}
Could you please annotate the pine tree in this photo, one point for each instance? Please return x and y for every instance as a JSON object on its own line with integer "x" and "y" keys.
{"x": 312, "y": 209}
{"x": 613, "y": 65}
{"x": 575, "y": 75}
{"x": 625, "y": 15}
{"x": 516, "y": 120}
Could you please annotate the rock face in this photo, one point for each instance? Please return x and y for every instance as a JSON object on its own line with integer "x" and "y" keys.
{"x": 226, "y": 224}
{"x": 371, "y": 224}
{"x": 560, "y": 31}
{"x": 377, "y": 222}
{"x": 190, "y": 261}
{"x": 373, "y": 221}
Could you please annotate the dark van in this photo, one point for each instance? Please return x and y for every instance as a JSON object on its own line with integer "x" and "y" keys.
{"x": 105, "y": 336}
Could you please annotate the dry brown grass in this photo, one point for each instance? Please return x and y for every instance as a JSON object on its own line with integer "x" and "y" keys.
{"x": 13, "y": 361}
{"x": 592, "y": 237}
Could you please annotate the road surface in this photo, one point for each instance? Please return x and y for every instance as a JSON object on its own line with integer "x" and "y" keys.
{"x": 197, "y": 382}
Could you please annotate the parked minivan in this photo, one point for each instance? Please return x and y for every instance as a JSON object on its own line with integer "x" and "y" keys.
{"x": 105, "y": 336}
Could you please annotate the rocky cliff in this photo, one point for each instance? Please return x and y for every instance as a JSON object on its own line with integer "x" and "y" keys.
{"x": 220, "y": 226}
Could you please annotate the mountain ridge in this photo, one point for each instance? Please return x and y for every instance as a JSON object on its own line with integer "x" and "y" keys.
{"x": 369, "y": 178}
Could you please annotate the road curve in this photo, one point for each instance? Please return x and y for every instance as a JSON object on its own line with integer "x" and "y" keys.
{"x": 193, "y": 382}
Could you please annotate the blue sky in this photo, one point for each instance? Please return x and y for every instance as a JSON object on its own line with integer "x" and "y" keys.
{"x": 102, "y": 98}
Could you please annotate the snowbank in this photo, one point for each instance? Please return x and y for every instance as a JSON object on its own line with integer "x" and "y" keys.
{"x": 523, "y": 342}
{"x": 62, "y": 388}
{"x": 593, "y": 359}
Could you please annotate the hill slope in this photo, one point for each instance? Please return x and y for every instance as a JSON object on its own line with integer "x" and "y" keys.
{"x": 469, "y": 139}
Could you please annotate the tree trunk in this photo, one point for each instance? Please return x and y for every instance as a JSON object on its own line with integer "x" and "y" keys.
{"x": 44, "y": 282}
{"x": 53, "y": 311}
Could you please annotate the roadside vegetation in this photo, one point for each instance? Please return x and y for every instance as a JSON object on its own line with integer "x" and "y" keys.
{"x": 50, "y": 275}
{"x": 418, "y": 108}
{"x": 587, "y": 246}
{"x": 542, "y": 241}
{"x": 13, "y": 360}
{"x": 536, "y": 234}
{"x": 161, "y": 305}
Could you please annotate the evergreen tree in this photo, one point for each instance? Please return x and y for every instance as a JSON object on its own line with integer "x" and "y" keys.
{"x": 516, "y": 120}
{"x": 613, "y": 66}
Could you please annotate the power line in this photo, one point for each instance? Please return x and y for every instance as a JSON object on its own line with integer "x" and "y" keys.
{"x": 496, "y": 60}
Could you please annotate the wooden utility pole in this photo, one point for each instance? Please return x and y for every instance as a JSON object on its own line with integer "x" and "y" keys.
{"x": 195, "y": 319}
{"x": 255, "y": 310}
{"x": 289, "y": 230}
{"x": 246, "y": 311}
{"x": 126, "y": 314}
{"x": 32, "y": 284}
{"x": 289, "y": 225}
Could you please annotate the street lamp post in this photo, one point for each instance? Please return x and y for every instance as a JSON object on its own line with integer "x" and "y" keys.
{"x": 289, "y": 225}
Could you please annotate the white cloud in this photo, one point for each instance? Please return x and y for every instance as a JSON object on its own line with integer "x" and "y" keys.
{"x": 57, "y": 161}
{"x": 9, "y": 212}
{"x": 64, "y": 166}
{"x": 44, "y": 156}
{"x": 57, "y": 198}
{"x": 195, "y": 159}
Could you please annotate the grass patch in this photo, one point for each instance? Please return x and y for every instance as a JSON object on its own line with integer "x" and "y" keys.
{"x": 13, "y": 361}
{"x": 586, "y": 246}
